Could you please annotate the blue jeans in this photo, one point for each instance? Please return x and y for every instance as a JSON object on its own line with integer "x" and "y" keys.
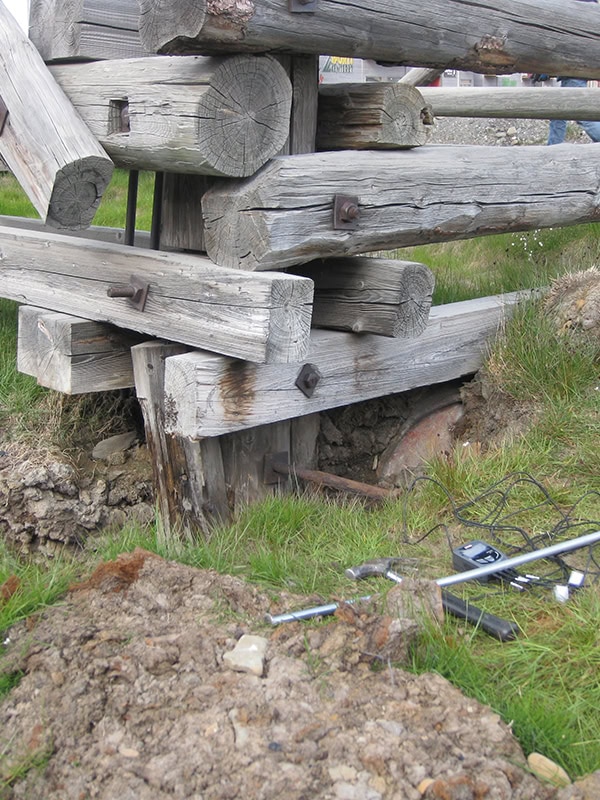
{"x": 558, "y": 127}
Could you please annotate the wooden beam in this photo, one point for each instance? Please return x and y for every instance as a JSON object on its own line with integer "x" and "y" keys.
{"x": 73, "y": 355}
{"x": 210, "y": 395}
{"x": 207, "y": 116}
{"x": 419, "y": 76}
{"x": 504, "y": 37}
{"x": 264, "y": 318}
{"x": 95, "y": 232}
{"x": 514, "y": 103}
{"x": 375, "y": 116}
{"x": 284, "y": 215}
{"x": 85, "y": 29}
{"x": 370, "y": 295}
{"x": 58, "y": 162}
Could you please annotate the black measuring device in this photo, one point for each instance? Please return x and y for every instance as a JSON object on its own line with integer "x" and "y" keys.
{"x": 480, "y": 554}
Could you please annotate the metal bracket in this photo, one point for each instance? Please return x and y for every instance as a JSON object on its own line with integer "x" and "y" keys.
{"x": 136, "y": 292}
{"x": 302, "y": 6}
{"x": 346, "y": 212}
{"x": 3, "y": 115}
{"x": 307, "y": 379}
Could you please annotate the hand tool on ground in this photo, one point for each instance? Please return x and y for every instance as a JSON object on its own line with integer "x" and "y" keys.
{"x": 499, "y": 628}
{"x": 461, "y": 577}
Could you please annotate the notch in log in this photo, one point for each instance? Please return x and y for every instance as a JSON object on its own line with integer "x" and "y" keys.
{"x": 56, "y": 159}
{"x": 191, "y": 115}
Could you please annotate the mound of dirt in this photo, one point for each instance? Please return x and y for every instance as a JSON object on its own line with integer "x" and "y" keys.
{"x": 129, "y": 691}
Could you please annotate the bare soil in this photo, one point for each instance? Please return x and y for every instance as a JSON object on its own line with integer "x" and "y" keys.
{"x": 126, "y": 694}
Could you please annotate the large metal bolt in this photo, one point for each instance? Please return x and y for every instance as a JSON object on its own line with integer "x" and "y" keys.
{"x": 349, "y": 211}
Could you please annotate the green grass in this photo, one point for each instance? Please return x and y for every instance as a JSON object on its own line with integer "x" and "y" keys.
{"x": 545, "y": 683}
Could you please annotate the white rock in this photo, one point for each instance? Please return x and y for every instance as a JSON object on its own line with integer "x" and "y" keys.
{"x": 248, "y": 655}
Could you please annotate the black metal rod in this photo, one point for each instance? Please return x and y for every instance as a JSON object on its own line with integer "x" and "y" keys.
{"x": 159, "y": 180}
{"x": 132, "y": 193}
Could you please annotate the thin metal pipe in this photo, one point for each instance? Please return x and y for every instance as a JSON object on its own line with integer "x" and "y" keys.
{"x": 461, "y": 577}
{"x": 159, "y": 179}
{"x": 132, "y": 193}
{"x": 525, "y": 558}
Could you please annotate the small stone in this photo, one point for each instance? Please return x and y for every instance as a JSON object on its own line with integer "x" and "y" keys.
{"x": 129, "y": 752}
{"x": 424, "y": 785}
{"x": 248, "y": 655}
{"x": 547, "y": 770}
{"x": 107, "y": 448}
{"x": 512, "y": 131}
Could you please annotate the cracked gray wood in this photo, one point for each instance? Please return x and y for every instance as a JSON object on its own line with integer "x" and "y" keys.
{"x": 190, "y": 300}
{"x": 507, "y": 36}
{"x": 516, "y": 103}
{"x": 209, "y": 395}
{"x": 58, "y": 162}
{"x": 85, "y": 29}
{"x": 370, "y": 295}
{"x": 372, "y": 116}
{"x": 207, "y": 116}
{"x": 283, "y": 215}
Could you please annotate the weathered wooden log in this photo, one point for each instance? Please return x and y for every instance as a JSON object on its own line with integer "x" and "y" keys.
{"x": 508, "y": 36}
{"x": 371, "y": 295}
{"x": 60, "y": 165}
{"x": 183, "y": 298}
{"x": 85, "y": 29}
{"x": 375, "y": 116}
{"x": 73, "y": 355}
{"x": 210, "y": 395}
{"x": 419, "y": 76}
{"x": 208, "y": 116}
{"x": 284, "y": 215}
{"x": 514, "y": 103}
{"x": 96, "y": 232}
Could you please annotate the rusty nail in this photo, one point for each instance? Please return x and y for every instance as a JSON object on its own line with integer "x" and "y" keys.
{"x": 136, "y": 292}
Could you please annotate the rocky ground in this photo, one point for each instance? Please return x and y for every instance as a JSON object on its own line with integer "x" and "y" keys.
{"x": 143, "y": 685}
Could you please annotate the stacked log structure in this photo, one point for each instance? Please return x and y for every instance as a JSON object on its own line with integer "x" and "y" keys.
{"x": 276, "y": 190}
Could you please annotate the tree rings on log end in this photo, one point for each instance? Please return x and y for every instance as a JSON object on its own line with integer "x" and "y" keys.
{"x": 245, "y": 114}
{"x": 78, "y": 189}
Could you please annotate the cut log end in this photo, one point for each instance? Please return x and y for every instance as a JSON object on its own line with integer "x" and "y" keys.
{"x": 245, "y": 115}
{"x": 78, "y": 189}
{"x": 162, "y": 21}
{"x": 416, "y": 290}
{"x": 291, "y": 311}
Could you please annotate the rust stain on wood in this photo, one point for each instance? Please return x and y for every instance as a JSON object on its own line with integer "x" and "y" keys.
{"x": 491, "y": 51}
{"x": 237, "y": 389}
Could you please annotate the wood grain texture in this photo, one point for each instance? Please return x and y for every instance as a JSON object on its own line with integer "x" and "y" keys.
{"x": 208, "y": 116}
{"x": 85, "y": 29}
{"x": 73, "y": 355}
{"x": 210, "y": 395}
{"x": 58, "y": 162}
{"x": 504, "y": 37}
{"x": 375, "y": 116}
{"x": 370, "y": 295}
{"x": 190, "y": 299}
{"x": 283, "y": 215}
{"x": 514, "y": 103}
{"x": 95, "y": 232}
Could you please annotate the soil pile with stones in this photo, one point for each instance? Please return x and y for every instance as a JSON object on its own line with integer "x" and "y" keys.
{"x": 130, "y": 691}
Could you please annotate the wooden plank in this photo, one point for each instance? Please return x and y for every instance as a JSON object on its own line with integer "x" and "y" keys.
{"x": 58, "y": 162}
{"x": 182, "y": 227}
{"x": 504, "y": 37}
{"x": 283, "y": 215}
{"x": 85, "y": 29}
{"x": 514, "y": 102}
{"x": 191, "y": 300}
{"x": 375, "y": 116}
{"x": 209, "y": 395}
{"x": 370, "y": 295}
{"x": 189, "y": 480}
{"x": 73, "y": 355}
{"x": 208, "y": 116}
{"x": 95, "y": 232}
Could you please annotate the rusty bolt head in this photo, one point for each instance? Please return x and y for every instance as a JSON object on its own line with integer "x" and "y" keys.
{"x": 349, "y": 211}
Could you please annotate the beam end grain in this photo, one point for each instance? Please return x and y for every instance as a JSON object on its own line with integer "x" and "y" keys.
{"x": 161, "y": 21}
